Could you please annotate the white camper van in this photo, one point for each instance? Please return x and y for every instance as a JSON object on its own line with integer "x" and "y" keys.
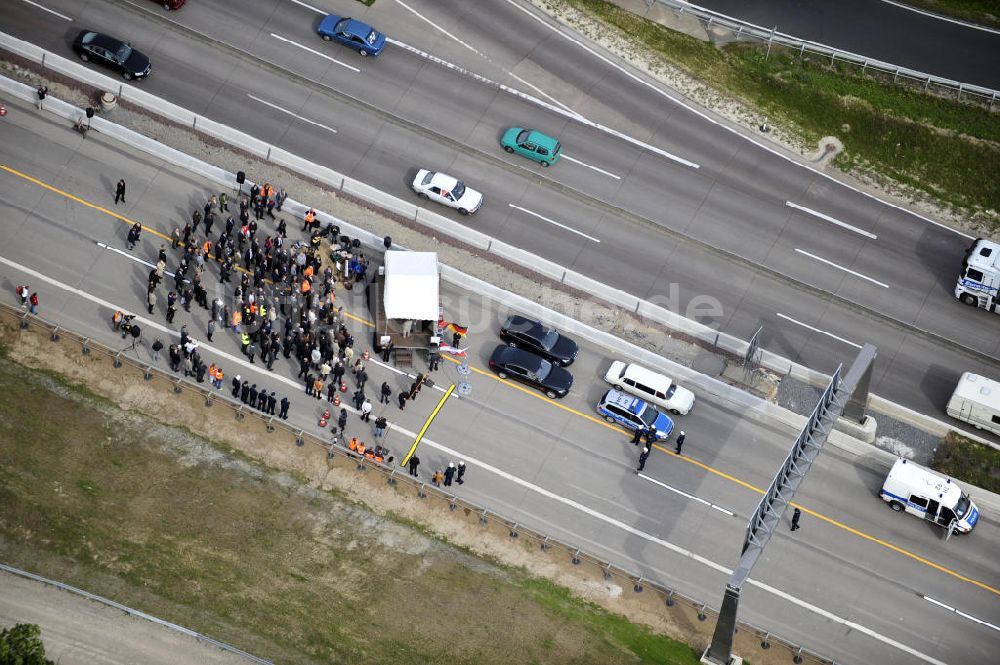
{"x": 976, "y": 400}
{"x": 929, "y": 495}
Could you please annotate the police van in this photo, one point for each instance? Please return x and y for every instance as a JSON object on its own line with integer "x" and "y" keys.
{"x": 929, "y": 495}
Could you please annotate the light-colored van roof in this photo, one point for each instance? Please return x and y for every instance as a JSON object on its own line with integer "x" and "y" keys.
{"x": 647, "y": 377}
{"x": 931, "y": 483}
{"x": 979, "y": 389}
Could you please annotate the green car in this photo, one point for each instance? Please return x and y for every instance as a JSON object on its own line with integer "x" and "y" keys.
{"x": 531, "y": 144}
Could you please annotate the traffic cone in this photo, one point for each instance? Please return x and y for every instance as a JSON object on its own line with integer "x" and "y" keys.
{"x": 343, "y": 386}
{"x": 365, "y": 356}
{"x": 324, "y": 418}
{"x": 336, "y": 400}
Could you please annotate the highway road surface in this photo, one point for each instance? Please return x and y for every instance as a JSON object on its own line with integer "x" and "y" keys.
{"x": 857, "y": 583}
{"x": 78, "y": 631}
{"x": 883, "y": 31}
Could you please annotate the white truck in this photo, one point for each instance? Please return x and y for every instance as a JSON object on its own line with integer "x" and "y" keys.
{"x": 976, "y": 400}
{"x": 929, "y": 495}
{"x": 979, "y": 280}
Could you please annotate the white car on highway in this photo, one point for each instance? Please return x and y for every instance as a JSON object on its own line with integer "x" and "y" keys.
{"x": 650, "y": 386}
{"x": 442, "y": 188}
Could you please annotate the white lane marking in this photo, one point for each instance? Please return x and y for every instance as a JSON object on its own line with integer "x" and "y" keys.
{"x": 962, "y": 614}
{"x": 577, "y": 161}
{"x": 294, "y": 115}
{"x": 512, "y": 478}
{"x": 46, "y": 9}
{"x": 315, "y": 52}
{"x": 832, "y": 220}
{"x": 544, "y": 94}
{"x": 814, "y": 329}
{"x": 723, "y": 126}
{"x": 949, "y": 19}
{"x": 552, "y": 221}
{"x": 434, "y": 25}
{"x": 134, "y": 258}
{"x": 840, "y": 267}
{"x": 310, "y": 7}
{"x": 687, "y": 496}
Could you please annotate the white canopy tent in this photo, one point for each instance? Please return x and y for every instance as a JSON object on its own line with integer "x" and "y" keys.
{"x": 411, "y": 286}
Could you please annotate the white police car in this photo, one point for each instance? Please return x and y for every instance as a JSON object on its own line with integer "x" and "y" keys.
{"x": 633, "y": 413}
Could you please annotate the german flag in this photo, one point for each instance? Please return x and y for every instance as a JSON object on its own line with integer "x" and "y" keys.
{"x": 454, "y": 327}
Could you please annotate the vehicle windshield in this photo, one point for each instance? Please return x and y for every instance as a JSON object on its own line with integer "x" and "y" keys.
{"x": 427, "y": 178}
{"x": 523, "y": 136}
{"x": 544, "y": 369}
{"x": 458, "y": 190}
{"x": 341, "y": 25}
{"x": 671, "y": 390}
{"x": 648, "y": 415}
{"x": 962, "y": 507}
{"x": 124, "y": 51}
{"x": 549, "y": 339}
{"x": 372, "y": 36}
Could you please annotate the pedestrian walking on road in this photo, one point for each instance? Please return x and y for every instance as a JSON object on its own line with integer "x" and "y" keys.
{"x": 413, "y": 464}
{"x": 342, "y": 420}
{"x": 449, "y": 474}
{"x": 23, "y": 292}
{"x": 680, "y": 442}
{"x": 637, "y": 435}
{"x": 385, "y": 396}
{"x": 358, "y": 399}
{"x": 211, "y": 329}
{"x": 120, "y": 191}
{"x": 402, "y": 399}
{"x": 157, "y": 347}
{"x": 796, "y": 514}
{"x": 380, "y": 424}
{"x": 150, "y": 300}
{"x": 643, "y": 456}
{"x": 461, "y": 473}
{"x": 133, "y": 235}
{"x": 42, "y": 91}
{"x": 434, "y": 361}
{"x": 223, "y": 202}
{"x": 33, "y": 303}
{"x": 366, "y": 410}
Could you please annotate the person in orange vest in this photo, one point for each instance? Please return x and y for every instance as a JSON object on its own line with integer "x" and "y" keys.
{"x": 306, "y": 286}
{"x": 207, "y": 249}
{"x": 237, "y": 320}
{"x": 353, "y": 445}
{"x": 361, "y": 448}
{"x": 219, "y": 375}
{"x": 310, "y": 219}
{"x": 211, "y": 373}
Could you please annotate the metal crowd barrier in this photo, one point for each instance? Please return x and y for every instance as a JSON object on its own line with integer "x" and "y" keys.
{"x": 341, "y": 458}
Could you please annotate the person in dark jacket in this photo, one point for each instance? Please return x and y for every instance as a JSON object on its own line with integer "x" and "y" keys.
{"x": 245, "y": 392}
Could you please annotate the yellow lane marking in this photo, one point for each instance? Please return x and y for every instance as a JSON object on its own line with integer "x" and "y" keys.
{"x": 427, "y": 423}
{"x": 576, "y": 412}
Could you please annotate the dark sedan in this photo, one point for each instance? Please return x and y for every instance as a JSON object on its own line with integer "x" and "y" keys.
{"x": 526, "y": 367}
{"x": 533, "y": 336}
{"x": 113, "y": 53}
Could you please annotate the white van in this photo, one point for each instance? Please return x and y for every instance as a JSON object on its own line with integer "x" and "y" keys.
{"x": 929, "y": 495}
{"x": 976, "y": 400}
{"x": 650, "y": 386}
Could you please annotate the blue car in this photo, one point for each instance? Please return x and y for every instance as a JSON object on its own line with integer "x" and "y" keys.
{"x": 631, "y": 412}
{"x": 351, "y": 32}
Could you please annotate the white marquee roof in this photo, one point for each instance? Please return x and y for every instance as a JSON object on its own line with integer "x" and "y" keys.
{"x": 411, "y": 286}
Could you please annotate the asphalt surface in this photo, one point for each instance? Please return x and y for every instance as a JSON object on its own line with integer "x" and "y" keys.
{"x": 723, "y": 233}
{"x": 77, "y": 631}
{"x": 881, "y": 31}
{"x": 551, "y": 466}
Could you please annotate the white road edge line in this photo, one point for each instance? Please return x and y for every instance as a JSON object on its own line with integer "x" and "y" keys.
{"x": 294, "y": 115}
{"x": 435, "y": 26}
{"x": 840, "y": 267}
{"x": 315, "y": 52}
{"x": 46, "y": 9}
{"x": 831, "y": 220}
{"x": 722, "y": 125}
{"x": 518, "y": 481}
{"x": 553, "y": 222}
{"x": 940, "y": 17}
{"x": 310, "y": 7}
{"x": 577, "y": 161}
{"x": 964, "y": 615}
{"x": 814, "y": 329}
{"x": 543, "y": 94}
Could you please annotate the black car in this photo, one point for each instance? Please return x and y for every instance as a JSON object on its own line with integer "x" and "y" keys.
{"x": 533, "y": 336}
{"x": 113, "y": 53}
{"x": 509, "y": 362}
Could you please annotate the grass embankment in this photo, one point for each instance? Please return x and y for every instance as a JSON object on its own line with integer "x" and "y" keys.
{"x": 982, "y": 12}
{"x": 945, "y": 148}
{"x": 969, "y": 462}
{"x": 158, "y": 519}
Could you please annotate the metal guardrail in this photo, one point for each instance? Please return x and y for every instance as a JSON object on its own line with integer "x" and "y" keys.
{"x": 339, "y": 455}
{"x": 743, "y": 31}
{"x": 136, "y": 613}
